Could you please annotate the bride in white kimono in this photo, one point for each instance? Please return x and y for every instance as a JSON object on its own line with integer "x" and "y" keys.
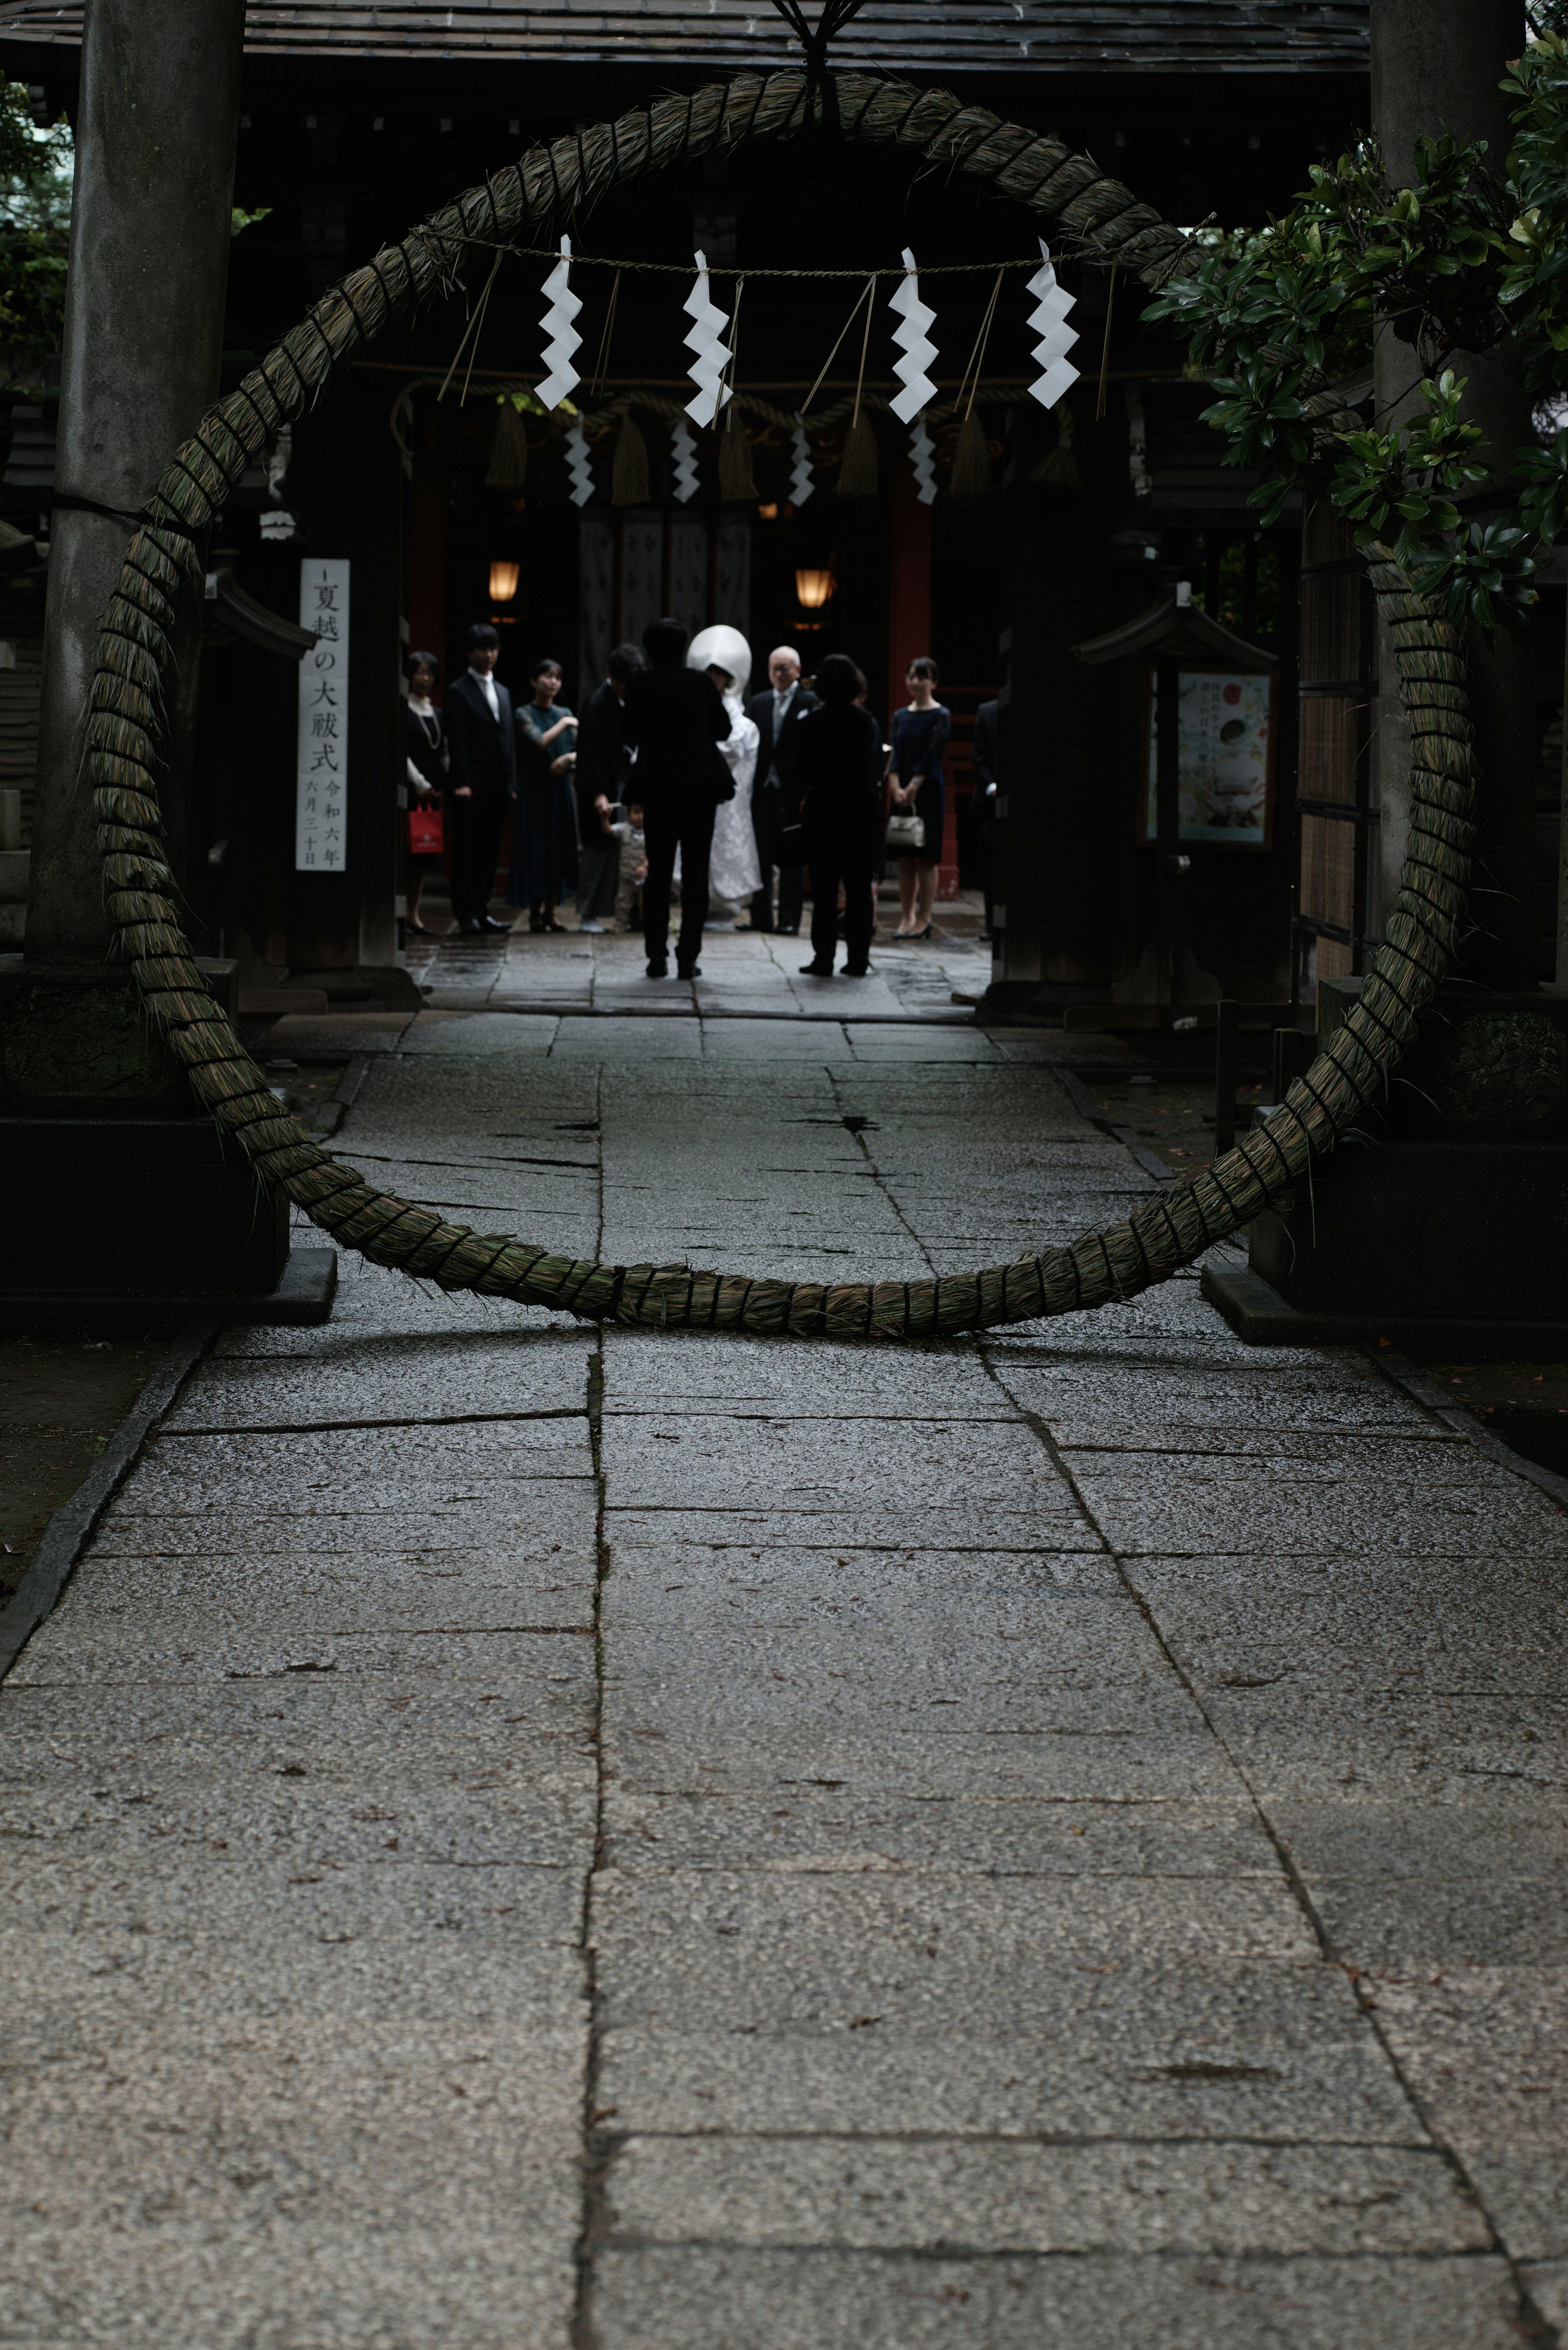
{"x": 734, "y": 873}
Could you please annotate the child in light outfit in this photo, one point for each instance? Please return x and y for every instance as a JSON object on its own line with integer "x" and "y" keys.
{"x": 628, "y": 831}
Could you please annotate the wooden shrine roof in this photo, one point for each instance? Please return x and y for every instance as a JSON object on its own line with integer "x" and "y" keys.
{"x": 1231, "y": 37}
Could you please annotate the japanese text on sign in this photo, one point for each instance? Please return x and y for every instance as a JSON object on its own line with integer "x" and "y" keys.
{"x": 321, "y": 803}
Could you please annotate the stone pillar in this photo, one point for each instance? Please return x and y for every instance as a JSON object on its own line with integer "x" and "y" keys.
{"x": 1436, "y": 66}
{"x": 144, "y": 329}
{"x": 132, "y": 1204}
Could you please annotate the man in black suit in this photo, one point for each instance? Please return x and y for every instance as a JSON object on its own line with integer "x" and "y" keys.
{"x": 484, "y": 778}
{"x": 775, "y": 802}
{"x": 676, "y": 719}
{"x": 987, "y": 756}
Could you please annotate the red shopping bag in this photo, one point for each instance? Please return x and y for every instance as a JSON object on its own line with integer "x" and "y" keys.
{"x": 427, "y": 830}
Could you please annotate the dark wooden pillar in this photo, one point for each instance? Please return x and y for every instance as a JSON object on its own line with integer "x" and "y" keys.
{"x": 427, "y": 549}
{"x": 1058, "y": 825}
{"x": 351, "y": 489}
{"x": 909, "y": 585}
{"x": 155, "y": 133}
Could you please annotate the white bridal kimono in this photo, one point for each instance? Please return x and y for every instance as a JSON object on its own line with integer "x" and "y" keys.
{"x": 734, "y": 872}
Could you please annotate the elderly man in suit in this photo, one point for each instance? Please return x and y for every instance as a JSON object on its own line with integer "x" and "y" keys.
{"x": 482, "y": 779}
{"x": 775, "y": 801}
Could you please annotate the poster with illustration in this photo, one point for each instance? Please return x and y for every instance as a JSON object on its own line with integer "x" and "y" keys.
{"x": 1227, "y": 764}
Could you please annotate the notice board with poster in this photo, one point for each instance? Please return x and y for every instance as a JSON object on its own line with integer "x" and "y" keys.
{"x": 321, "y": 784}
{"x": 1225, "y": 736}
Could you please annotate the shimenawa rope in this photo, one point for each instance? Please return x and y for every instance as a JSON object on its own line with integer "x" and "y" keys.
{"x": 125, "y": 701}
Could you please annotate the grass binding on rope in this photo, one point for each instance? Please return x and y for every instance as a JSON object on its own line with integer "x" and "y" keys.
{"x": 1101, "y": 221}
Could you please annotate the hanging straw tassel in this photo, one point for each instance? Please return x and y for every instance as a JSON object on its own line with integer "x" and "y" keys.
{"x": 736, "y": 480}
{"x": 508, "y": 467}
{"x": 1058, "y": 470}
{"x": 972, "y": 459}
{"x": 857, "y": 472}
{"x": 629, "y": 479}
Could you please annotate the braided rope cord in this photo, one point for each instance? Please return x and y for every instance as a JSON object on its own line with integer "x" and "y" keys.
{"x": 1099, "y": 219}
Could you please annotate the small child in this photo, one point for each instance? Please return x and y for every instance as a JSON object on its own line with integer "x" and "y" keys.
{"x": 628, "y": 831}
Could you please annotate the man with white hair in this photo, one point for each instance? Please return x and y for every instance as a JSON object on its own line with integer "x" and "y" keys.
{"x": 775, "y": 802}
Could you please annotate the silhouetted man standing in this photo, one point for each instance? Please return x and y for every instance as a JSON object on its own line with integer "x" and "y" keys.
{"x": 676, "y": 717}
{"x": 484, "y": 778}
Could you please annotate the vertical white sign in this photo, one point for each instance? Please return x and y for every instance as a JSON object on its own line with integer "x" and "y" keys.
{"x": 321, "y": 801}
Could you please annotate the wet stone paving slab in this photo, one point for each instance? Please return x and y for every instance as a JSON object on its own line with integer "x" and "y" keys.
{"x": 523, "y": 1838}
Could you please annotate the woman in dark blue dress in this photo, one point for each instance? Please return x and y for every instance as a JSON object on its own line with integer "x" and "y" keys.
{"x": 545, "y": 825}
{"x": 919, "y": 737}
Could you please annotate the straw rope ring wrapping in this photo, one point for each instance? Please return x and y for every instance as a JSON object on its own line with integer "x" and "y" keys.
{"x": 1098, "y": 218}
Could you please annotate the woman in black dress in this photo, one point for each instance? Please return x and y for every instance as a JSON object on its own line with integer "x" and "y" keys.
{"x": 426, "y": 757}
{"x": 837, "y": 765}
{"x": 919, "y": 737}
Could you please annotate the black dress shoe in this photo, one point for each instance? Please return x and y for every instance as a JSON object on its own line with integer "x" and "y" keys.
{"x": 789, "y": 930}
{"x": 656, "y": 967}
{"x": 856, "y": 970}
{"x": 814, "y": 970}
{"x": 473, "y": 928}
{"x": 486, "y": 923}
{"x": 688, "y": 971}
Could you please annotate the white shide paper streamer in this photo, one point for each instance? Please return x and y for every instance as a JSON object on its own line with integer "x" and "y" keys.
{"x": 683, "y": 448}
{"x": 801, "y": 484}
{"x": 561, "y": 337}
{"x": 923, "y": 457}
{"x": 711, "y": 355}
{"x": 1049, "y": 321}
{"x": 916, "y": 349}
{"x": 579, "y": 464}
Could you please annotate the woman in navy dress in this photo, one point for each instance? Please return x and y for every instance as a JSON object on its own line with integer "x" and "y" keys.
{"x": 545, "y": 825}
{"x": 919, "y": 737}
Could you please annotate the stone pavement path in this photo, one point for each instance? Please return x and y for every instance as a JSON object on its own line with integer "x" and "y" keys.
{"x": 742, "y": 972}
{"x": 517, "y": 1841}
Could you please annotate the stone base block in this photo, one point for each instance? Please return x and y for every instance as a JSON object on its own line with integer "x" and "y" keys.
{"x": 1434, "y": 1244}
{"x": 1261, "y": 1316}
{"x": 301, "y": 1296}
{"x": 147, "y": 1207}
